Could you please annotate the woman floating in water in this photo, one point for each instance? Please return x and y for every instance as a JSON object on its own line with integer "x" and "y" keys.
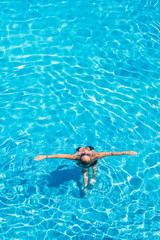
{"x": 87, "y": 158}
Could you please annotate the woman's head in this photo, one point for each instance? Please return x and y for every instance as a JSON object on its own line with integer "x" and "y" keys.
{"x": 85, "y": 159}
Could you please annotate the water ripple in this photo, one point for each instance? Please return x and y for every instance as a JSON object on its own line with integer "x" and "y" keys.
{"x": 71, "y": 75}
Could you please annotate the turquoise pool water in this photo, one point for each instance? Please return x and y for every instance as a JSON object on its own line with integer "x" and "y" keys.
{"x": 77, "y": 73}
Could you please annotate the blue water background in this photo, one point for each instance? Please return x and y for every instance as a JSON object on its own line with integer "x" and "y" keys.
{"x": 77, "y": 73}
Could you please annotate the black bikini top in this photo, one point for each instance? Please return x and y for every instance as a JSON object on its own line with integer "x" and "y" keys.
{"x": 83, "y": 154}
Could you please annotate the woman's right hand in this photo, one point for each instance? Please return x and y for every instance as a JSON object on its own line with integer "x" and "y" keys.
{"x": 131, "y": 153}
{"x": 40, "y": 157}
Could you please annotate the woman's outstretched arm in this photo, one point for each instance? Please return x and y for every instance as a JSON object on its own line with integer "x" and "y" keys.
{"x": 106, "y": 154}
{"x": 67, "y": 156}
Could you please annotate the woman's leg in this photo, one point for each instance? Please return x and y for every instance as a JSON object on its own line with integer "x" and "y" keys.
{"x": 90, "y": 148}
{"x": 85, "y": 176}
{"x": 93, "y": 180}
{"x": 80, "y": 149}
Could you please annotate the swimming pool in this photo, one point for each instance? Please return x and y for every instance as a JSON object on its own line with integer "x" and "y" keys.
{"x": 77, "y": 73}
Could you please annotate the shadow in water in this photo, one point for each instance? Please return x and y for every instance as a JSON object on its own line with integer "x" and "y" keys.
{"x": 60, "y": 175}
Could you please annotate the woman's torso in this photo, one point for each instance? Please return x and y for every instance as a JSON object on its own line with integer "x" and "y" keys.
{"x": 92, "y": 154}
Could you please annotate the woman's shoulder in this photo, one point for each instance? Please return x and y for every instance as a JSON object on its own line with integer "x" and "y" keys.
{"x": 94, "y": 154}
